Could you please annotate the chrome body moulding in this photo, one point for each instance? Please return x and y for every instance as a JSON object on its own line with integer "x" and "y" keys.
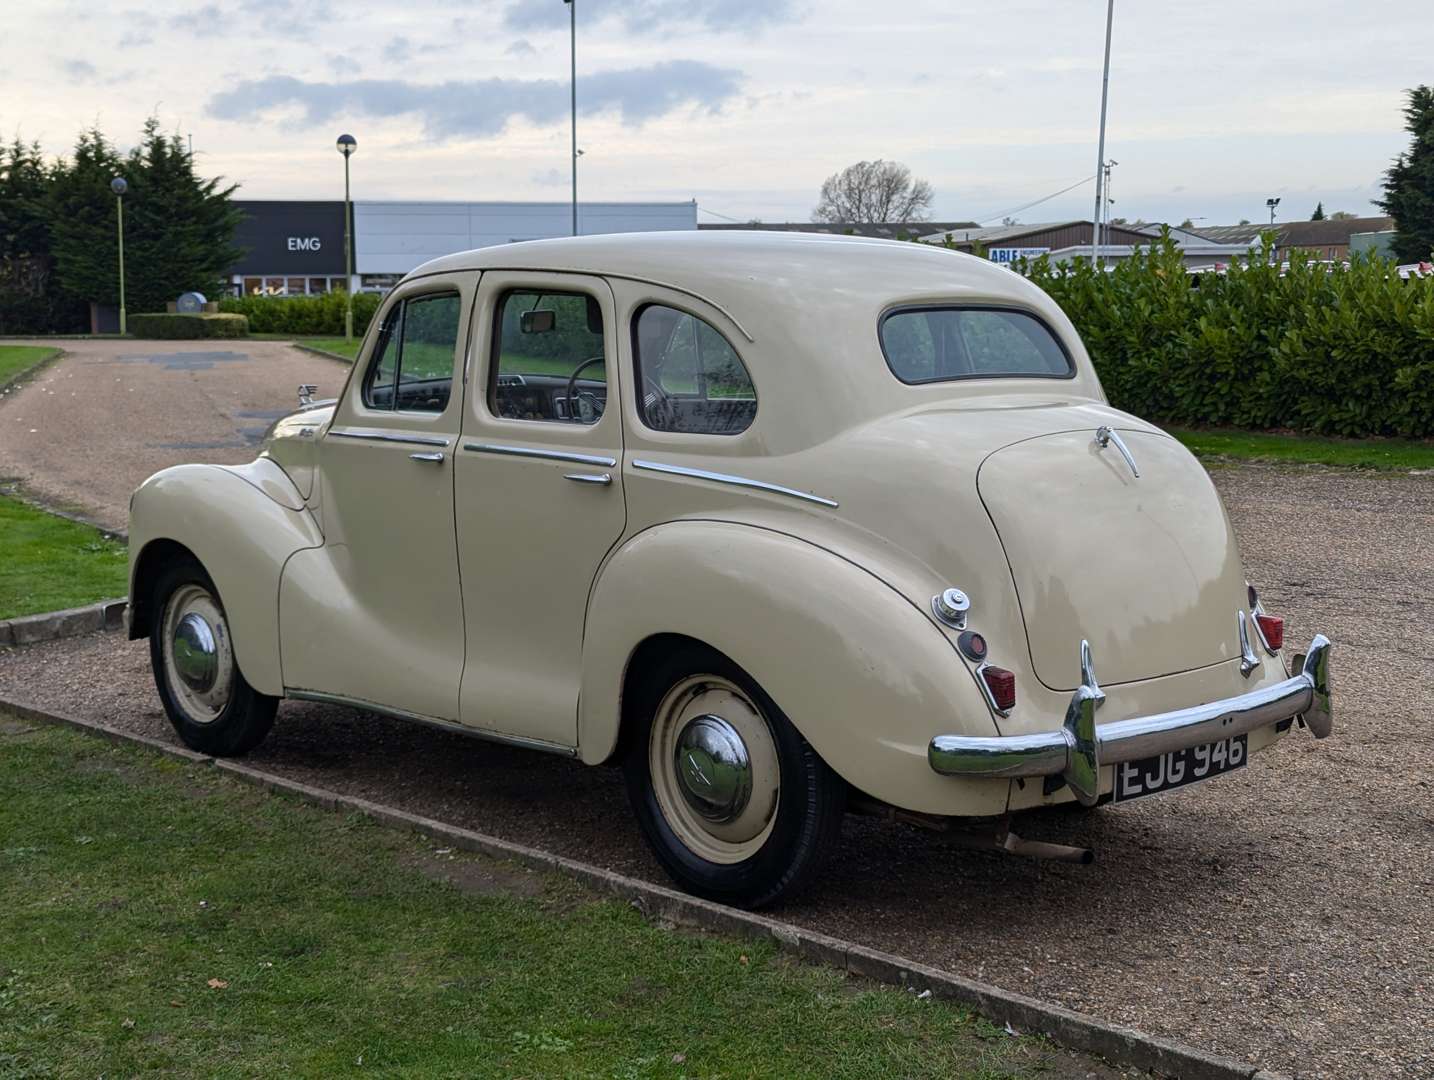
{"x": 444, "y": 725}
{"x": 387, "y": 436}
{"x": 735, "y": 481}
{"x": 1080, "y": 747}
{"x": 541, "y": 454}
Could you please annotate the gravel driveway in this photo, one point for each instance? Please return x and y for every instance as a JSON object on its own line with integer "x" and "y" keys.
{"x": 91, "y": 426}
{"x": 1284, "y": 914}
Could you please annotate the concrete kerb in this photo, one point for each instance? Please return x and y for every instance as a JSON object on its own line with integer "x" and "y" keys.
{"x": 72, "y": 622}
{"x": 1117, "y": 1044}
{"x": 340, "y": 357}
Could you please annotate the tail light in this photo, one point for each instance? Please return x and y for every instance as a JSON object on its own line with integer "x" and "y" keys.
{"x": 1001, "y": 685}
{"x": 1272, "y": 629}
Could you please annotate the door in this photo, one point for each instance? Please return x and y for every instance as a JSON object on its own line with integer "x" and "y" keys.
{"x": 376, "y": 615}
{"x": 538, "y": 496}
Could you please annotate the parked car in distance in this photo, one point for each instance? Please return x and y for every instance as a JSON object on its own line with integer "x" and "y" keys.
{"x": 783, "y": 525}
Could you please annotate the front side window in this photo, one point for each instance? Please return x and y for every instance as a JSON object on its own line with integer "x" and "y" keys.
{"x": 939, "y": 344}
{"x": 549, "y": 358}
{"x": 690, "y": 378}
{"x": 412, "y": 365}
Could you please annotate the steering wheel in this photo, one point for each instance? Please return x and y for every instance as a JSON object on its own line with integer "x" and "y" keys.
{"x": 571, "y": 393}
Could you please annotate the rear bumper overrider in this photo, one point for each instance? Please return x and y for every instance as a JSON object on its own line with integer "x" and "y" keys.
{"x": 1077, "y": 750}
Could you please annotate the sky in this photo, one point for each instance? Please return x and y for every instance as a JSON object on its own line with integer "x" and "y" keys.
{"x": 746, "y": 105}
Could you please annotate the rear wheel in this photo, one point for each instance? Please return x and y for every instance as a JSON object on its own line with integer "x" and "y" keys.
{"x": 735, "y": 804}
{"x": 213, "y": 709}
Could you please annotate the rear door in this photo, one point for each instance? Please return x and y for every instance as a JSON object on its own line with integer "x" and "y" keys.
{"x": 539, "y": 495}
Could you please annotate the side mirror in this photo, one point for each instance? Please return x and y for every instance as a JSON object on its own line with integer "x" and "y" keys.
{"x": 538, "y": 321}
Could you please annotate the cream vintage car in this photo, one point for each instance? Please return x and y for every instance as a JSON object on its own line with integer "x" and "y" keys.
{"x": 782, "y": 524}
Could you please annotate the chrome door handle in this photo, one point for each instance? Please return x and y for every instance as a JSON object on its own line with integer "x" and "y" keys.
{"x": 435, "y": 456}
{"x": 589, "y": 478}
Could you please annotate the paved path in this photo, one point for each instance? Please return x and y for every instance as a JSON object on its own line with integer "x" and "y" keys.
{"x": 1284, "y": 914}
{"x": 90, "y": 427}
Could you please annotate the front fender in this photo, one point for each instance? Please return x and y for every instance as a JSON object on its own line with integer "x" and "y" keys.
{"x": 863, "y": 674}
{"x": 242, "y": 525}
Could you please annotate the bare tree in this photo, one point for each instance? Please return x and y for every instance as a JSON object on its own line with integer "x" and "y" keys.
{"x": 873, "y": 191}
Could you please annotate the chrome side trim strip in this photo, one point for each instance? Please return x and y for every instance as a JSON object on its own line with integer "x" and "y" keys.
{"x": 735, "y": 481}
{"x": 538, "y": 452}
{"x": 387, "y": 436}
{"x": 429, "y": 721}
{"x": 1079, "y": 749}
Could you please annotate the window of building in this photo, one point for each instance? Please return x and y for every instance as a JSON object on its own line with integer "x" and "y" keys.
{"x": 690, "y": 378}
{"x": 938, "y": 344}
{"x": 412, "y": 365}
{"x": 549, "y": 358}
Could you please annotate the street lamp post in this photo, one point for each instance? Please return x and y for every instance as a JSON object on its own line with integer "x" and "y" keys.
{"x": 119, "y": 187}
{"x": 573, "y": 88}
{"x": 1100, "y": 152}
{"x": 347, "y": 144}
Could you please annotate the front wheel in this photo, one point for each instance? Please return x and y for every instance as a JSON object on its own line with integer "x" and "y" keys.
{"x": 213, "y": 709}
{"x": 735, "y": 804}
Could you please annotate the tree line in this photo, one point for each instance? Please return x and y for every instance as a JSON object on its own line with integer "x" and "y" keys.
{"x": 59, "y": 237}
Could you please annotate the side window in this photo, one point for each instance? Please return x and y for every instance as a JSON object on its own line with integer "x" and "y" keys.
{"x": 412, "y": 365}
{"x": 689, "y": 377}
{"x": 378, "y": 382}
{"x": 549, "y": 358}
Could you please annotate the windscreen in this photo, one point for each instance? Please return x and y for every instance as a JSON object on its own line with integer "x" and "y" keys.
{"x": 937, "y": 344}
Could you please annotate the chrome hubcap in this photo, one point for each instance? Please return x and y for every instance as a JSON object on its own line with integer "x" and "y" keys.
{"x": 715, "y": 768}
{"x": 714, "y": 771}
{"x": 198, "y": 658}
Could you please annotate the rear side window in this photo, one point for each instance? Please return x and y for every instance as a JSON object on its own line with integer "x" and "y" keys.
{"x": 690, "y": 378}
{"x": 938, "y": 344}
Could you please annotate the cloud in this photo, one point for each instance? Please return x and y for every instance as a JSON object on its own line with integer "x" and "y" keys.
{"x": 644, "y": 16}
{"x": 79, "y": 69}
{"x": 483, "y": 107}
{"x": 133, "y": 39}
{"x": 521, "y": 47}
{"x": 549, "y": 177}
{"x": 398, "y": 49}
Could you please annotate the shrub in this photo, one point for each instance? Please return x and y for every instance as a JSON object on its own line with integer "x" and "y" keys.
{"x": 1314, "y": 349}
{"x": 177, "y": 327}
{"x": 322, "y": 314}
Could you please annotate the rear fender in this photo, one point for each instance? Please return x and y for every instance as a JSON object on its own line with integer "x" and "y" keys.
{"x": 241, "y": 524}
{"x": 865, "y": 676}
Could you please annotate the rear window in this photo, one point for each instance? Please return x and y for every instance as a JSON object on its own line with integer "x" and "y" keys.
{"x": 938, "y": 344}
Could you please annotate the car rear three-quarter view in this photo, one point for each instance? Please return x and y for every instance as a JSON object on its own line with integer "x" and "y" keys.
{"x": 785, "y": 526}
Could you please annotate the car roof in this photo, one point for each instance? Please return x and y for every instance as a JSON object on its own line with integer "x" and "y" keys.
{"x": 728, "y": 265}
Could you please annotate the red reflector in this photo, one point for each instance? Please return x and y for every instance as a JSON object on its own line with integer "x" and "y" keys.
{"x": 1002, "y": 684}
{"x": 1273, "y": 627}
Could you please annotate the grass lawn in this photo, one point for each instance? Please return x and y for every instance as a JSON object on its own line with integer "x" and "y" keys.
{"x": 48, "y": 563}
{"x": 158, "y": 916}
{"x": 334, "y": 345}
{"x": 15, "y": 360}
{"x": 1268, "y": 446}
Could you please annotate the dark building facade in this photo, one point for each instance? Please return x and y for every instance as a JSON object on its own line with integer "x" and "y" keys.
{"x": 290, "y": 247}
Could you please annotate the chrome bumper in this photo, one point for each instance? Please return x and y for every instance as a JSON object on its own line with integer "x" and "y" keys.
{"x": 1077, "y": 751}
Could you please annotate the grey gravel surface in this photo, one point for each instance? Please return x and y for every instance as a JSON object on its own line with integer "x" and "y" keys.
{"x": 1283, "y": 914}
{"x": 86, "y": 430}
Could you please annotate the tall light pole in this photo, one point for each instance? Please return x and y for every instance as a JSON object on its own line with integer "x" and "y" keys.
{"x": 1272, "y": 203}
{"x": 1107, "y": 202}
{"x": 347, "y": 144}
{"x": 573, "y": 84}
{"x": 119, "y": 187}
{"x": 1100, "y": 152}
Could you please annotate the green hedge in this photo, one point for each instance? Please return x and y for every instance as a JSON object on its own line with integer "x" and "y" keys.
{"x": 1333, "y": 352}
{"x": 187, "y": 326}
{"x": 323, "y": 314}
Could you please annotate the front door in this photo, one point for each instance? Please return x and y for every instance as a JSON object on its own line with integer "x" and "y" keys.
{"x": 538, "y": 495}
{"x": 375, "y": 615}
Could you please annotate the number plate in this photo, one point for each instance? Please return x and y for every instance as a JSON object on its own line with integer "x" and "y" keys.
{"x": 1134, "y": 779}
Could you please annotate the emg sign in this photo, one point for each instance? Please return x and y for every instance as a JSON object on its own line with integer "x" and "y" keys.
{"x": 305, "y": 243}
{"x": 1010, "y": 255}
{"x": 290, "y": 238}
